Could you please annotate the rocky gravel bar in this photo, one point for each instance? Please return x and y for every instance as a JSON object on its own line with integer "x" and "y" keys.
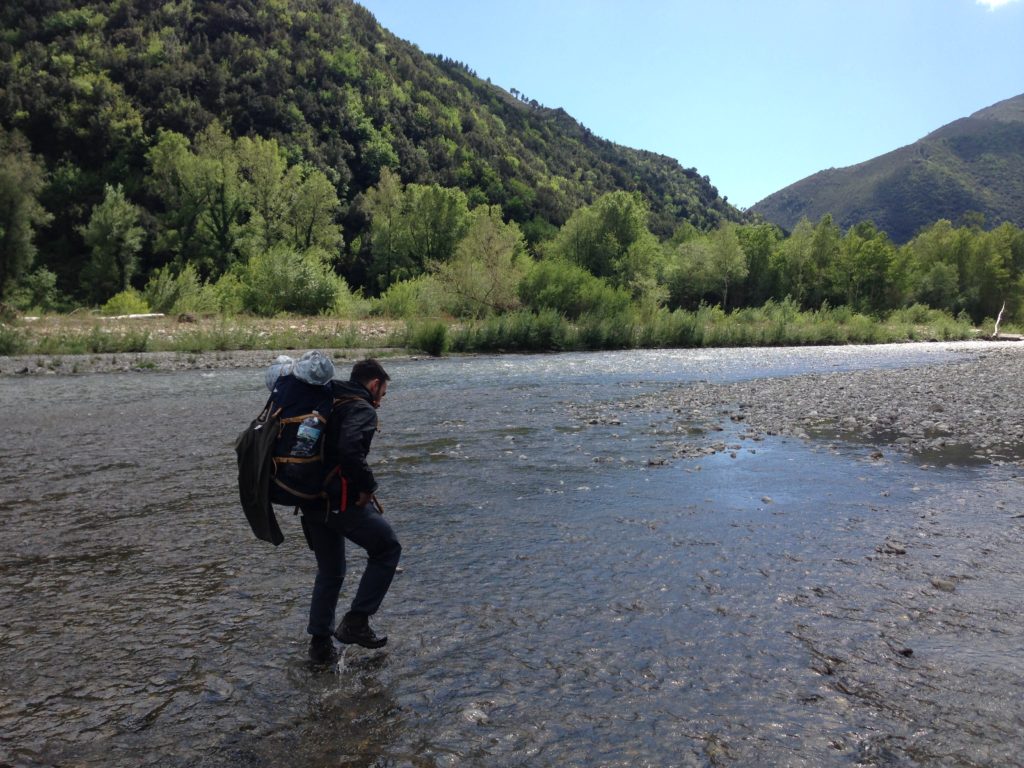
{"x": 961, "y": 411}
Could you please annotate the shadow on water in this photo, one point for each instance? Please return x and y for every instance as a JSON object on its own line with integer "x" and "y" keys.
{"x": 563, "y": 602}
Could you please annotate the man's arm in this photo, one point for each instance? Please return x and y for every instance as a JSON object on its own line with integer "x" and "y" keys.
{"x": 355, "y": 434}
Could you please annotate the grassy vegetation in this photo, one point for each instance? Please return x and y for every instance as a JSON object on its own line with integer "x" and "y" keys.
{"x": 774, "y": 324}
{"x": 79, "y": 334}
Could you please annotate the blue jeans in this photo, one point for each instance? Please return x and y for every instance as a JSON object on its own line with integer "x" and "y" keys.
{"x": 367, "y": 528}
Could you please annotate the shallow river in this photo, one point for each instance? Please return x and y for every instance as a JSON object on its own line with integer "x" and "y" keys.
{"x": 566, "y": 598}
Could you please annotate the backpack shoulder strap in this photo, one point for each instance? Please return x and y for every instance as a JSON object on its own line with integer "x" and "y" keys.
{"x": 354, "y": 399}
{"x": 347, "y": 399}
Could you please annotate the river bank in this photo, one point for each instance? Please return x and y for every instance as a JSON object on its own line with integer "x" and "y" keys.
{"x": 72, "y": 344}
{"x": 121, "y": 362}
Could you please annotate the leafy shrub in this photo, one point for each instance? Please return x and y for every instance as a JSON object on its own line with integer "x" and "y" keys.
{"x": 164, "y": 287}
{"x": 550, "y": 331}
{"x": 670, "y": 329}
{"x": 12, "y": 342}
{"x": 184, "y": 292}
{"x": 597, "y": 332}
{"x": 841, "y": 314}
{"x": 520, "y": 331}
{"x": 229, "y": 293}
{"x": 127, "y": 302}
{"x": 283, "y": 280}
{"x": 430, "y": 337}
{"x": 917, "y": 314}
{"x": 100, "y": 340}
{"x": 62, "y": 343}
{"x": 419, "y": 297}
{"x": 205, "y": 302}
{"x": 350, "y": 304}
{"x": 919, "y": 321}
{"x": 37, "y": 292}
{"x": 571, "y": 290}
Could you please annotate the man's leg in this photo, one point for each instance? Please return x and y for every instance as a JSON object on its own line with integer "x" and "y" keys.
{"x": 329, "y": 548}
{"x": 365, "y": 527}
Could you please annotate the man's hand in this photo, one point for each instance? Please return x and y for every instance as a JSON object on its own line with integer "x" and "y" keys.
{"x": 363, "y": 498}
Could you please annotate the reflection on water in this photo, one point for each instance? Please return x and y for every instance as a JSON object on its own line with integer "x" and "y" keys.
{"x": 563, "y": 602}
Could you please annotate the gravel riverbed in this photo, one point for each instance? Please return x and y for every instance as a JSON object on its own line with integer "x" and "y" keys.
{"x": 962, "y": 411}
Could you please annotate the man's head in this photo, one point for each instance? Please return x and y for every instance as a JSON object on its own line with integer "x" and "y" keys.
{"x": 371, "y": 375}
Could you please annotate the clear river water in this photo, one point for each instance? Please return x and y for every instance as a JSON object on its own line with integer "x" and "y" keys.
{"x": 567, "y": 597}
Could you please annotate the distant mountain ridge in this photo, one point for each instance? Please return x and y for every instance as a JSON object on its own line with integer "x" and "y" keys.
{"x": 972, "y": 165}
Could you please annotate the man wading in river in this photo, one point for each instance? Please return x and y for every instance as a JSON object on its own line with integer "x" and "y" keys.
{"x": 345, "y": 509}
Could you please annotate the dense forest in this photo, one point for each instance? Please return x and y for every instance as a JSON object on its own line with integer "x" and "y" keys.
{"x": 292, "y": 156}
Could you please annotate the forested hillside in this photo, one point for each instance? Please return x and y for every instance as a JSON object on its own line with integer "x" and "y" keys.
{"x": 971, "y": 167}
{"x": 205, "y": 158}
{"x": 120, "y": 94}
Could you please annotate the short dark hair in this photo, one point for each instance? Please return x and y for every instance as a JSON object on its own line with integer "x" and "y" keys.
{"x": 367, "y": 370}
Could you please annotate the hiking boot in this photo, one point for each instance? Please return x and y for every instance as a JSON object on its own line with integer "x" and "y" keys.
{"x": 321, "y": 649}
{"x": 355, "y": 630}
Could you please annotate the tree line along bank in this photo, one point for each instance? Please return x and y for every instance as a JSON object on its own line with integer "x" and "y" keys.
{"x": 225, "y": 225}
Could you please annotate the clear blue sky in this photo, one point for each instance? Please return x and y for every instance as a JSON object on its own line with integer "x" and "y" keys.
{"x": 757, "y": 94}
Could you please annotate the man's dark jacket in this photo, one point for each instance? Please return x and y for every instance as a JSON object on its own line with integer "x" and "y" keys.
{"x": 350, "y": 431}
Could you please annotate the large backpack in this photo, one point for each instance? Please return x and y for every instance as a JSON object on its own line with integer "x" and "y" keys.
{"x": 281, "y": 454}
{"x": 299, "y": 472}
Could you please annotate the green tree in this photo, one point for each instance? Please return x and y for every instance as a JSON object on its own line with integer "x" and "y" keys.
{"x": 37, "y": 291}
{"x": 824, "y": 250}
{"x": 114, "y": 238}
{"x": 686, "y": 276}
{"x": 705, "y": 266}
{"x": 759, "y": 243}
{"x": 204, "y": 198}
{"x": 489, "y": 262}
{"x": 227, "y": 200}
{"x": 727, "y": 263}
{"x": 936, "y": 265}
{"x": 598, "y": 237}
{"x": 22, "y": 177}
{"x": 175, "y": 180}
{"x": 794, "y": 263}
{"x": 263, "y": 166}
{"x": 641, "y": 270}
{"x": 383, "y": 204}
{"x": 991, "y": 277}
{"x": 436, "y": 221}
{"x": 225, "y": 196}
{"x": 295, "y": 205}
{"x": 411, "y": 227}
{"x": 861, "y": 272}
{"x": 312, "y": 207}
